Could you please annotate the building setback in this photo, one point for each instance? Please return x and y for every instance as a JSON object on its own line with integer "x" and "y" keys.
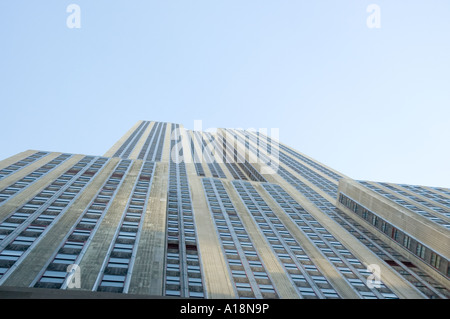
{"x": 168, "y": 211}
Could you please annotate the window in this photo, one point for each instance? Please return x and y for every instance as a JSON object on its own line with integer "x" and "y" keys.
{"x": 243, "y": 286}
{"x": 306, "y": 291}
{"x": 420, "y": 251}
{"x": 384, "y": 227}
{"x": 407, "y": 242}
{"x": 395, "y": 234}
{"x": 364, "y": 214}
{"x": 435, "y": 260}
{"x": 375, "y": 220}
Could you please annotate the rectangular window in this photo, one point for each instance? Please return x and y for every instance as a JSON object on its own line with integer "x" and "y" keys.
{"x": 364, "y": 213}
{"x": 435, "y": 260}
{"x": 407, "y": 242}
{"x": 394, "y": 234}
{"x": 420, "y": 251}
{"x": 375, "y": 220}
{"x": 384, "y": 227}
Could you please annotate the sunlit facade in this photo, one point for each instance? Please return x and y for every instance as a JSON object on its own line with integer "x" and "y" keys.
{"x": 168, "y": 211}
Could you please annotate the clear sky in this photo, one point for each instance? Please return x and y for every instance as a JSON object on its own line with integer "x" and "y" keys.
{"x": 372, "y": 103}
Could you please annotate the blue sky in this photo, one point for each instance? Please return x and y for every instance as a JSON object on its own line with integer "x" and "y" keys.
{"x": 372, "y": 103}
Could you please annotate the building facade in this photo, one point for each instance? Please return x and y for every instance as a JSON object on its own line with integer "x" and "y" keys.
{"x": 168, "y": 211}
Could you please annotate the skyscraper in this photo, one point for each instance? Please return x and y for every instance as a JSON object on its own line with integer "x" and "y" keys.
{"x": 168, "y": 211}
